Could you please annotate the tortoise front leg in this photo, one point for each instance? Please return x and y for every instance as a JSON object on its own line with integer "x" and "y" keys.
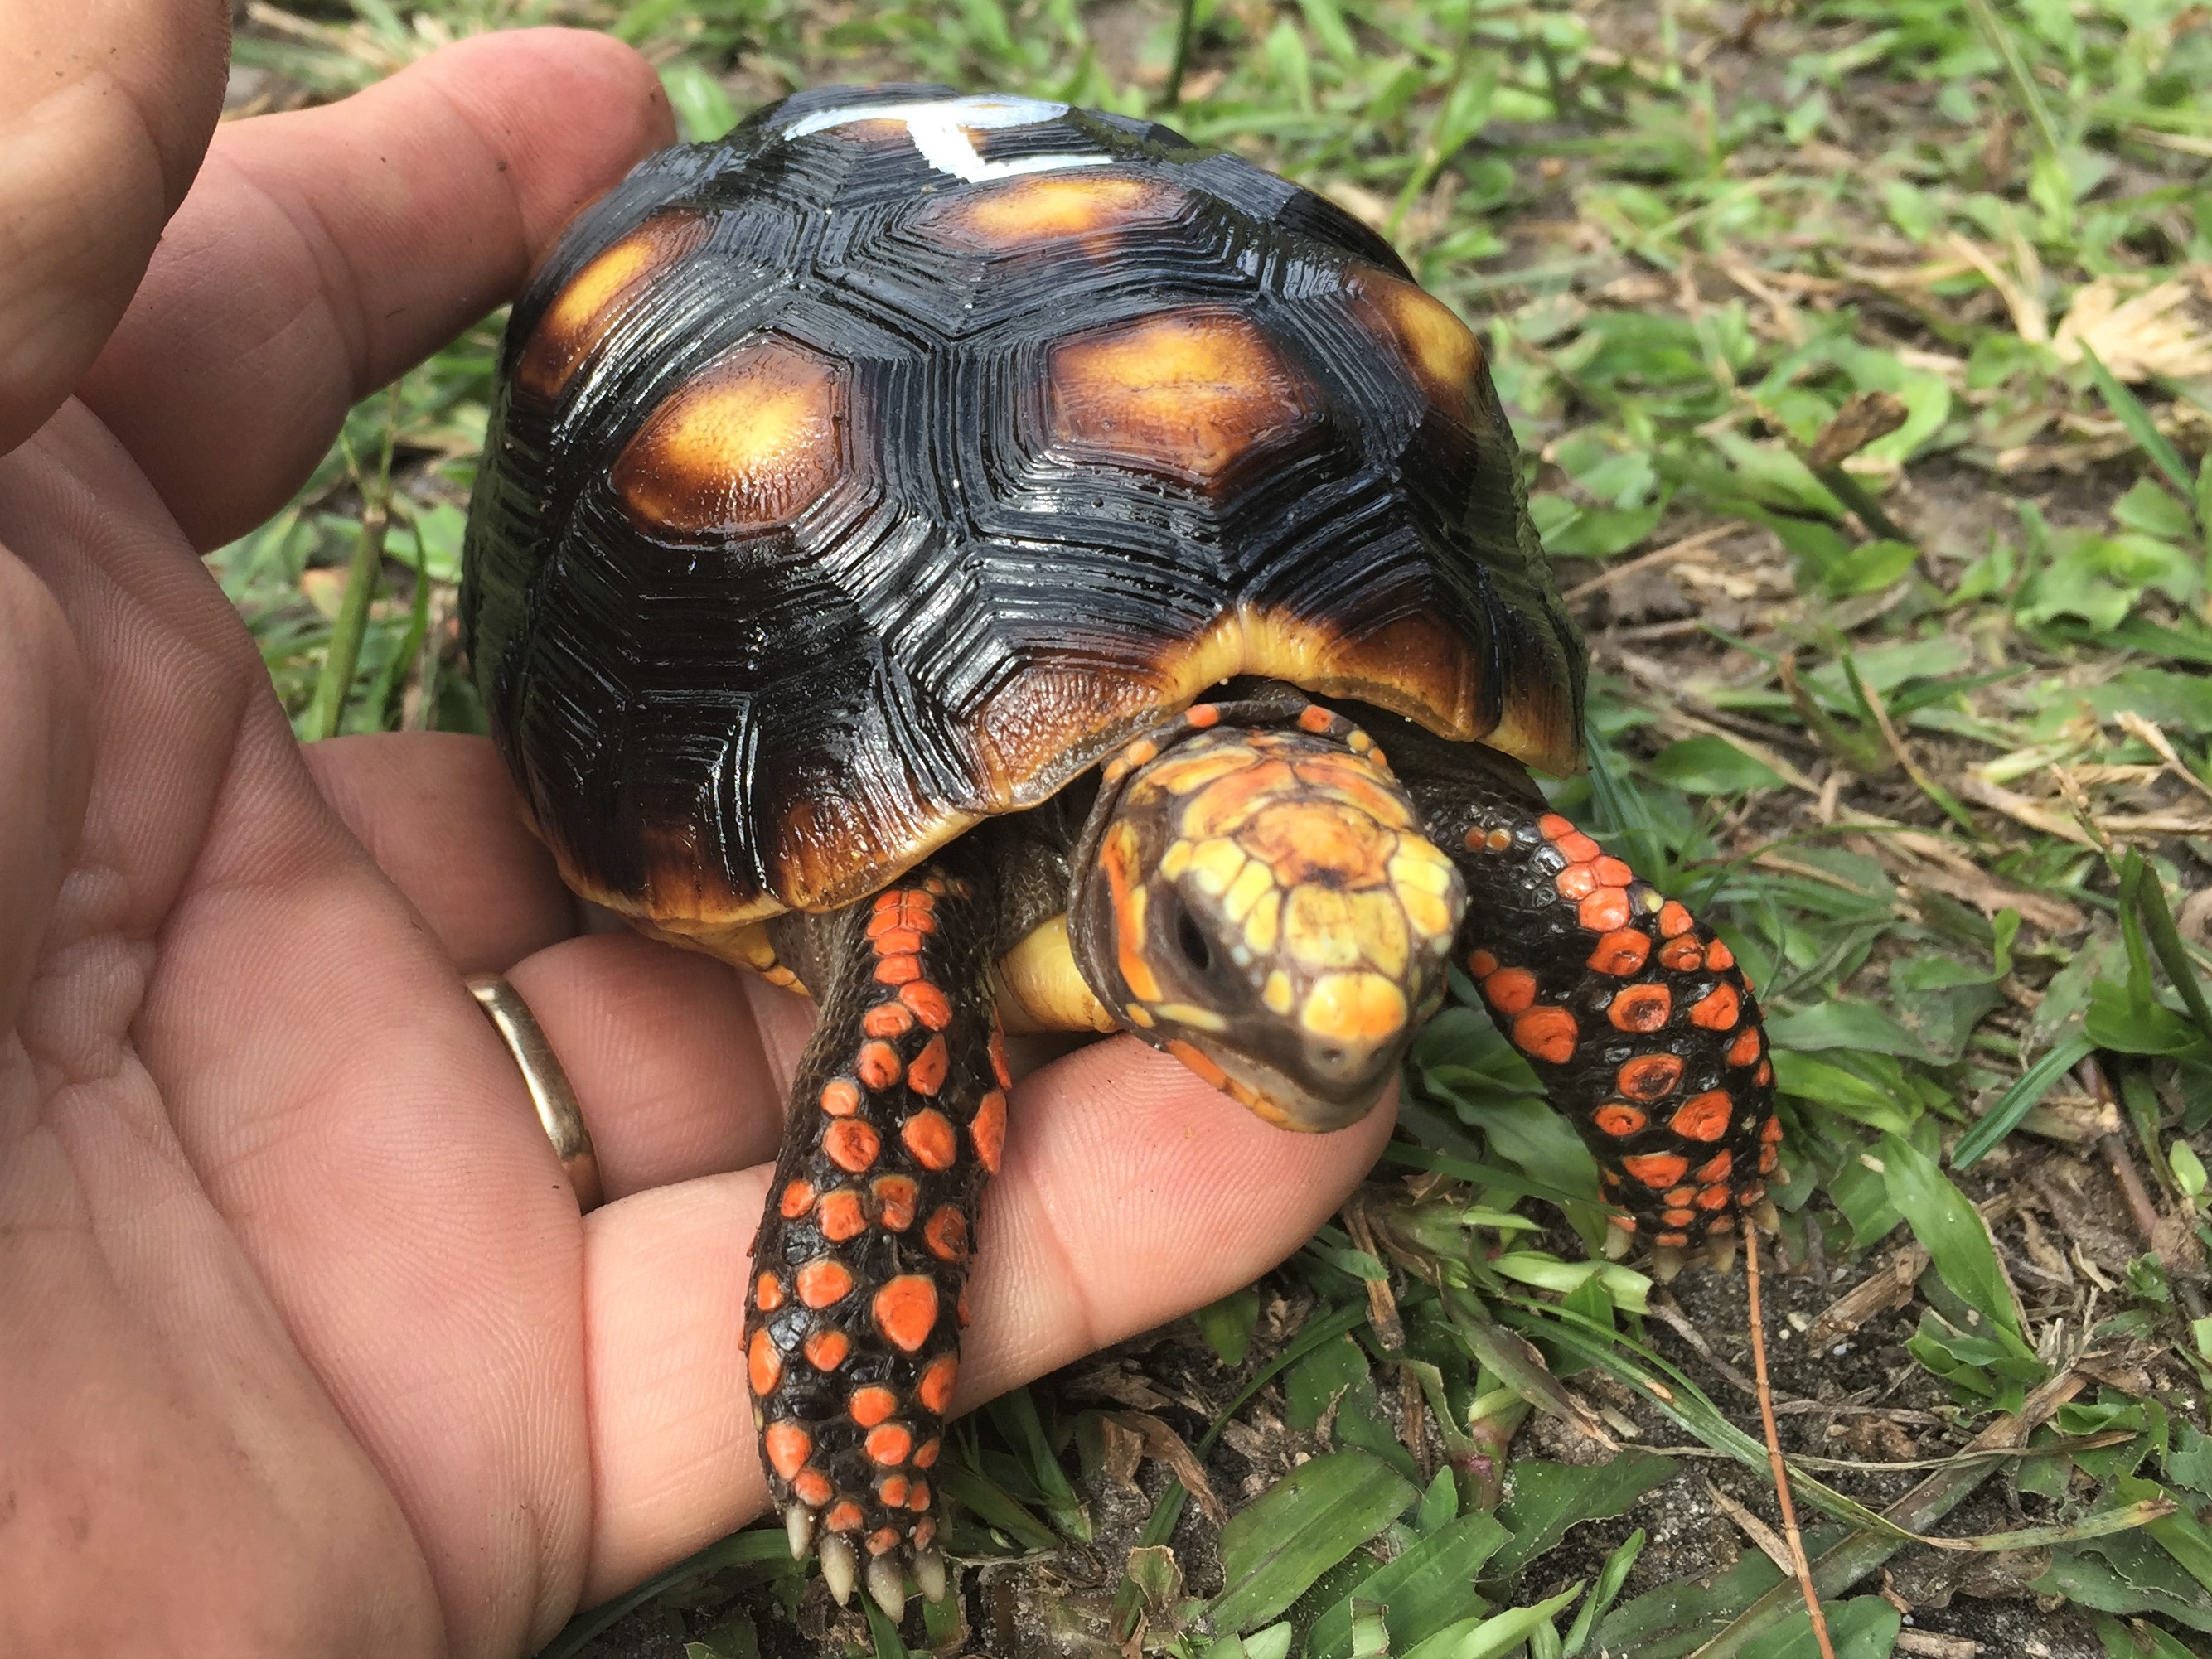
{"x": 853, "y": 1322}
{"x": 1636, "y": 1016}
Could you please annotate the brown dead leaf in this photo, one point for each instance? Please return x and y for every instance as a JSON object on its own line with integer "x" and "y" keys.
{"x": 1163, "y": 1445}
{"x": 2159, "y": 332}
{"x": 1889, "y": 1285}
{"x": 1866, "y": 416}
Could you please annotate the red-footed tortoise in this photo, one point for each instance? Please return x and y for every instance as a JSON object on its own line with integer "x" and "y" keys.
{"x": 968, "y": 557}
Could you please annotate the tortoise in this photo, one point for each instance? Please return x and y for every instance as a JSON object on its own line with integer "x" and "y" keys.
{"x": 998, "y": 566}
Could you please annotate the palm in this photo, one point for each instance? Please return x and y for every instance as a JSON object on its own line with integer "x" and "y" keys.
{"x": 307, "y": 1349}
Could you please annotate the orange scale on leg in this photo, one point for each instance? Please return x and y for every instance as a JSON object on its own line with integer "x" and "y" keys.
{"x": 928, "y": 1135}
{"x": 1202, "y": 716}
{"x": 1552, "y": 826}
{"x": 1612, "y": 872}
{"x": 1675, "y": 920}
{"x": 1619, "y": 1118}
{"x": 871, "y": 1405}
{"x": 999, "y": 1058}
{"x": 1677, "y": 1240}
{"x": 946, "y": 1233}
{"x": 1621, "y": 951}
{"x": 1716, "y": 1167}
{"x": 839, "y": 1216}
{"x": 826, "y": 1350}
{"x": 788, "y": 1447}
{"x": 887, "y": 1019}
{"x": 891, "y": 1490}
{"x": 841, "y": 1096}
{"x": 1605, "y": 910}
{"x": 924, "y": 1454}
{"x": 1771, "y": 1131}
{"x": 1678, "y": 1217}
{"x": 1747, "y": 1196}
{"x": 899, "y": 942}
{"x": 1648, "y": 1076}
{"x": 1641, "y": 1008}
{"x": 898, "y": 971}
{"x": 763, "y": 1364}
{"x": 1680, "y": 1196}
{"x": 1577, "y": 881}
{"x": 1718, "y": 956}
{"x": 905, "y": 1312}
{"x": 918, "y": 1499}
{"x": 768, "y": 1294}
{"x": 823, "y": 1281}
{"x": 890, "y": 899}
{"x": 934, "y": 1390}
{"x": 1765, "y": 1074}
{"x": 1717, "y": 1010}
{"x": 989, "y": 1130}
{"x": 879, "y": 1065}
{"x": 1703, "y": 1117}
{"x": 1657, "y": 1169}
{"x": 844, "y": 1516}
{"x": 1713, "y": 1198}
{"x": 1721, "y": 1224}
{"x": 1769, "y": 1160}
{"x": 890, "y": 1444}
{"x": 896, "y": 1197}
{"x": 798, "y": 1199}
{"x": 1481, "y": 964}
{"x": 1745, "y": 1049}
{"x": 851, "y": 1144}
{"x": 1681, "y": 955}
{"x": 930, "y": 1005}
{"x": 1626, "y": 1223}
{"x": 1577, "y": 849}
{"x": 1510, "y": 990}
{"x": 926, "y": 1075}
{"x": 812, "y": 1488}
{"x": 1547, "y": 1033}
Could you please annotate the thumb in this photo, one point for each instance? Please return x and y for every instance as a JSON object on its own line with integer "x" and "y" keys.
{"x": 104, "y": 108}
{"x": 43, "y": 758}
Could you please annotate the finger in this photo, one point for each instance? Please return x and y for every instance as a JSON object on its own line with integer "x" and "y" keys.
{"x": 322, "y": 252}
{"x": 42, "y": 753}
{"x": 664, "y": 1053}
{"x": 436, "y": 812}
{"x": 1131, "y": 1194}
{"x": 105, "y": 106}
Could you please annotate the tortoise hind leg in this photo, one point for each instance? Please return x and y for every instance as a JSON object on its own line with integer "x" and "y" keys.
{"x": 1634, "y": 1015}
{"x": 852, "y": 1326}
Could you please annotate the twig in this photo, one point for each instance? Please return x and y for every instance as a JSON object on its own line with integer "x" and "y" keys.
{"x": 1790, "y": 1532}
{"x": 1696, "y": 542}
{"x": 1185, "y": 26}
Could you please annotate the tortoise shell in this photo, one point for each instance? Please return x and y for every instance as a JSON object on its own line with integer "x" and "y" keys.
{"x": 884, "y": 464}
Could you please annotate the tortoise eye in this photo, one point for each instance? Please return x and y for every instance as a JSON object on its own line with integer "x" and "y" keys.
{"x": 1191, "y": 940}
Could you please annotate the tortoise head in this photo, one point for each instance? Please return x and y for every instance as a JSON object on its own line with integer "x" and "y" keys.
{"x": 1254, "y": 894}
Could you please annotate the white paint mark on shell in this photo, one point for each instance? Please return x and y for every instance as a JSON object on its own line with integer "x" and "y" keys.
{"x": 940, "y": 129}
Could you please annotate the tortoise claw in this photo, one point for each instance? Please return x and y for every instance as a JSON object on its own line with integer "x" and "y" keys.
{"x": 1618, "y": 1243}
{"x": 887, "y": 1584}
{"x": 840, "y": 1567}
{"x": 1666, "y": 1262}
{"x": 929, "y": 1573}
{"x": 799, "y": 1528}
{"x": 1720, "y": 1252}
{"x": 1767, "y": 1216}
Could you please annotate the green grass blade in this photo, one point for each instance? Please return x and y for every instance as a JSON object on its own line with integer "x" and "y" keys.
{"x": 1600, "y": 1599}
{"x": 2019, "y": 1100}
{"x": 1952, "y": 1232}
{"x": 2165, "y": 939}
{"x": 1272, "y": 1550}
{"x": 2136, "y": 419}
{"x": 362, "y": 573}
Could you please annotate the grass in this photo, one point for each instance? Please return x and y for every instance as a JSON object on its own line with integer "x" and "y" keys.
{"x": 1861, "y": 354}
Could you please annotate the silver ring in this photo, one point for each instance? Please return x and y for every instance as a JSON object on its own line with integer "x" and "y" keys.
{"x": 541, "y": 1074}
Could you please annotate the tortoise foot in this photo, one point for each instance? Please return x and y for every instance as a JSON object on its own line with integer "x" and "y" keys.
{"x": 861, "y": 1263}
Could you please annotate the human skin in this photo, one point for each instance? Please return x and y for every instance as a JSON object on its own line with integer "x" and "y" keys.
{"x": 304, "y": 1349}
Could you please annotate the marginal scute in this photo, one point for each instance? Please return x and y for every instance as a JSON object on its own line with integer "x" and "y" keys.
{"x": 748, "y": 444}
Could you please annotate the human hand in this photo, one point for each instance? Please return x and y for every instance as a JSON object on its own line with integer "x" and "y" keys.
{"x": 303, "y": 1346}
